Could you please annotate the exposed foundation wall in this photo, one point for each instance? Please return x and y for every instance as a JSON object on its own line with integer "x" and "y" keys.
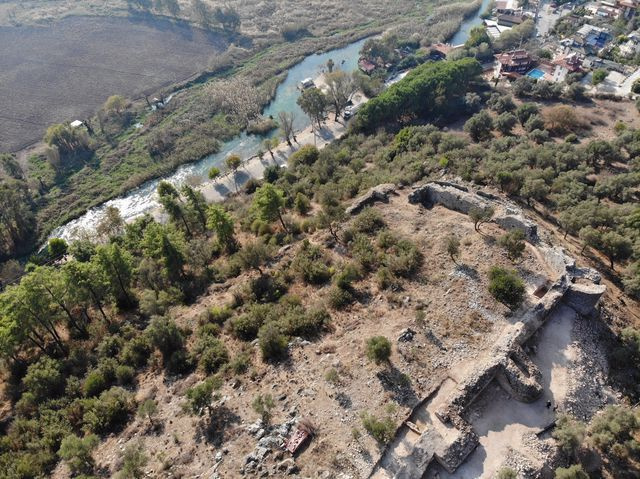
{"x": 506, "y": 362}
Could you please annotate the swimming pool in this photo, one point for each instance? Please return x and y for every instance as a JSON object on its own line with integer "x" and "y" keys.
{"x": 536, "y": 74}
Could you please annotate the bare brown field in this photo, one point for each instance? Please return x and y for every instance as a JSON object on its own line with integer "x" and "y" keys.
{"x": 66, "y": 70}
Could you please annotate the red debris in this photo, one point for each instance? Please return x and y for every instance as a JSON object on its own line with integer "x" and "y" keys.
{"x": 304, "y": 430}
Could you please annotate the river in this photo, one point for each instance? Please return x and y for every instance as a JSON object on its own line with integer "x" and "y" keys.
{"x": 142, "y": 200}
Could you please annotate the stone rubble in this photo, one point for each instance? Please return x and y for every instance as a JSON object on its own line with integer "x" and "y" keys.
{"x": 270, "y": 440}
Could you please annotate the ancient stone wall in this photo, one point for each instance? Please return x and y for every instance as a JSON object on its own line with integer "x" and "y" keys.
{"x": 506, "y": 362}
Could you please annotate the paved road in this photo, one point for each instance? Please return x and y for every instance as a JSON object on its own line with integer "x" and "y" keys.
{"x": 546, "y": 20}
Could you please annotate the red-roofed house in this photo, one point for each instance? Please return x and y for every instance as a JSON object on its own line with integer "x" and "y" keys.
{"x": 366, "y": 66}
{"x": 516, "y": 62}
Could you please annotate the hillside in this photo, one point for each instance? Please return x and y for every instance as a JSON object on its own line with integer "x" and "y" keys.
{"x": 448, "y": 290}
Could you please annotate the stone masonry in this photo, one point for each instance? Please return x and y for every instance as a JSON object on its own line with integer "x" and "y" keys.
{"x": 506, "y": 362}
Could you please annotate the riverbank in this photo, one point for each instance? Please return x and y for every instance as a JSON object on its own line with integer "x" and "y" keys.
{"x": 253, "y": 168}
{"x": 140, "y": 198}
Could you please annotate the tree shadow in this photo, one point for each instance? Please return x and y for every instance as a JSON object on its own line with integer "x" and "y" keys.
{"x": 434, "y": 339}
{"x": 399, "y": 385}
{"x": 468, "y": 271}
{"x": 221, "y": 189}
{"x": 213, "y": 431}
{"x": 343, "y": 400}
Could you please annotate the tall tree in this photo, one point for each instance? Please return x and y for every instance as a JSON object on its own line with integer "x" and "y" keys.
{"x": 314, "y": 103}
{"x": 26, "y": 308}
{"x": 170, "y": 201}
{"x": 229, "y": 18}
{"x": 17, "y": 221}
{"x": 51, "y": 284}
{"x": 196, "y": 203}
{"x": 268, "y": 202}
{"x": 222, "y": 223}
{"x": 88, "y": 283}
{"x": 233, "y": 162}
{"x": 341, "y": 87}
{"x": 286, "y": 126}
{"x": 111, "y": 224}
{"x": 201, "y": 13}
{"x": 117, "y": 264}
{"x": 165, "y": 244}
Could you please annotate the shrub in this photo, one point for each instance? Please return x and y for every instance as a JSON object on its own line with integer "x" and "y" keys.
{"x": 272, "y": 343}
{"x": 306, "y": 155}
{"x": 271, "y": 174}
{"x": 302, "y": 204}
{"x": 381, "y": 429}
{"x": 534, "y": 122}
{"x": 266, "y": 288}
{"x": 364, "y": 252}
{"x": 386, "y": 239}
{"x": 348, "y": 275}
{"x": 240, "y": 364}
{"x": 77, "y": 452}
{"x": 109, "y": 411}
{"x": 200, "y": 397}
{"x": 95, "y": 383}
{"x": 311, "y": 264}
{"x": 479, "y": 126}
{"x": 378, "y": 349}
{"x": 332, "y": 376}
{"x": 110, "y": 347}
{"x": 212, "y": 354}
{"x": 133, "y": 462}
{"x": 44, "y": 379}
{"x": 615, "y": 429}
{"x": 136, "y": 352}
{"x": 506, "y": 286}
{"x": 164, "y": 335}
{"x": 385, "y": 279}
{"x": 507, "y": 473}
{"x": 513, "y": 243}
{"x": 569, "y": 434}
{"x": 505, "y": 123}
{"x": 526, "y": 111}
{"x": 125, "y": 374}
{"x": 263, "y": 404}
{"x": 247, "y": 325}
{"x": 599, "y": 76}
{"x": 340, "y": 298}
{"x": 219, "y": 314}
{"x": 306, "y": 325}
{"x": 572, "y": 472}
{"x": 148, "y": 410}
{"x": 403, "y": 259}
{"x": 369, "y": 221}
{"x": 179, "y": 362}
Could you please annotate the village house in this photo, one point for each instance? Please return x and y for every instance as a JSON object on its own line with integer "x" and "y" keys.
{"x": 589, "y": 38}
{"x": 628, "y": 7}
{"x": 508, "y": 7}
{"x": 632, "y": 46}
{"x": 507, "y": 20}
{"x": 366, "y": 66}
{"x": 494, "y": 30}
{"x": 565, "y": 64}
{"x": 514, "y": 63}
